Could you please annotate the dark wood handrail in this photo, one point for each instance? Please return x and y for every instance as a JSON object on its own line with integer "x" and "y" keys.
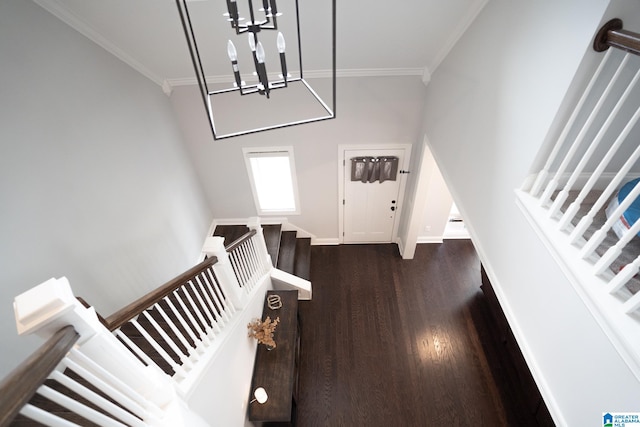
{"x": 240, "y": 240}
{"x": 21, "y": 384}
{"x": 611, "y": 34}
{"x": 127, "y": 313}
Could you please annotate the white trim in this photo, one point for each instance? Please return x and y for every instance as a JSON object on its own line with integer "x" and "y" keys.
{"x": 401, "y": 191}
{"x": 271, "y": 220}
{"x": 313, "y": 74}
{"x": 532, "y": 362}
{"x": 401, "y": 245}
{"x": 324, "y": 241}
{"x": 65, "y": 15}
{"x": 606, "y": 309}
{"x": 431, "y": 239}
{"x": 263, "y": 152}
{"x": 418, "y": 206}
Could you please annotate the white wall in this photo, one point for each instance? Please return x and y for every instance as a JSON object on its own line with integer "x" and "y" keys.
{"x": 488, "y": 110}
{"x": 95, "y": 184}
{"x": 437, "y": 206}
{"x": 369, "y": 111}
{"x": 222, "y": 394}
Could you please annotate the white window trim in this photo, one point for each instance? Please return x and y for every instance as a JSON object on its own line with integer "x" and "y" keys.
{"x": 250, "y": 152}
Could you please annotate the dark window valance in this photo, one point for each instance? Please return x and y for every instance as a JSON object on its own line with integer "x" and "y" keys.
{"x": 371, "y": 169}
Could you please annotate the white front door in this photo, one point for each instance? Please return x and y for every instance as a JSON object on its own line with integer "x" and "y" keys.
{"x": 370, "y": 208}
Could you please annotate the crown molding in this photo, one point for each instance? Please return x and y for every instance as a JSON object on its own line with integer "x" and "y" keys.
{"x": 65, "y": 15}
{"x": 313, "y": 74}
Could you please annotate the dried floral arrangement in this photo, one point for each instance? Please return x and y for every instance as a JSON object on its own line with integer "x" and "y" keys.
{"x": 263, "y": 331}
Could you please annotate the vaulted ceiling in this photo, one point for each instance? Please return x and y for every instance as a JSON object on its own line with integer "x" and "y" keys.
{"x": 374, "y": 37}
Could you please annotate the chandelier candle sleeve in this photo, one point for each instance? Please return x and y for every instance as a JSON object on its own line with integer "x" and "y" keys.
{"x": 252, "y": 46}
{"x": 283, "y": 61}
{"x": 274, "y": 9}
{"x": 262, "y": 68}
{"x": 233, "y": 10}
{"x": 233, "y": 56}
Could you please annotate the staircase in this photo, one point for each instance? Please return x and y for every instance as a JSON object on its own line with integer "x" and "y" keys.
{"x": 182, "y": 327}
{"x": 288, "y": 252}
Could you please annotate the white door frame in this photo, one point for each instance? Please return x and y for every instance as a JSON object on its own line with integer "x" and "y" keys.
{"x": 403, "y": 181}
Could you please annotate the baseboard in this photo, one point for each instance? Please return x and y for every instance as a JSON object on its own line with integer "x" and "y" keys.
{"x": 430, "y": 239}
{"x": 331, "y": 241}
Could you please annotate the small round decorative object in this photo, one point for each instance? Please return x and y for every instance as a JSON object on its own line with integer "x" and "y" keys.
{"x": 274, "y": 302}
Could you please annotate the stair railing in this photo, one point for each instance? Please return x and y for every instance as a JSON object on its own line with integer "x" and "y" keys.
{"x": 248, "y": 261}
{"x": 98, "y": 380}
{"x": 148, "y": 354}
{"x": 566, "y": 200}
{"x": 22, "y": 383}
{"x": 175, "y": 324}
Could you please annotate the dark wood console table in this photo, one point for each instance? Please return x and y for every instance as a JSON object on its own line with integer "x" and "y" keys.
{"x": 277, "y": 370}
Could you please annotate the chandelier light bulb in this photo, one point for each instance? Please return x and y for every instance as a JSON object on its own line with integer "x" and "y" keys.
{"x": 280, "y": 43}
{"x": 252, "y": 42}
{"x": 260, "y": 53}
{"x": 231, "y": 51}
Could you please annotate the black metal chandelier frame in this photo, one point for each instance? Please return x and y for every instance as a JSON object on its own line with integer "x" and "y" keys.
{"x": 253, "y": 27}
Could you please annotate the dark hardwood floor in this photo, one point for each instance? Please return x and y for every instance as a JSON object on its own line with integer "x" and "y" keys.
{"x": 392, "y": 342}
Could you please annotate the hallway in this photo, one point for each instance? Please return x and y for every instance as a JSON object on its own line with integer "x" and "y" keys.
{"x": 387, "y": 341}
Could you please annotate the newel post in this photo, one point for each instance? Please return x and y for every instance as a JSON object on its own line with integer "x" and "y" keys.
{"x": 254, "y": 224}
{"x": 214, "y": 246}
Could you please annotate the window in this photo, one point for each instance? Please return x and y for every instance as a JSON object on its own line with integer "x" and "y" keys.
{"x": 273, "y": 179}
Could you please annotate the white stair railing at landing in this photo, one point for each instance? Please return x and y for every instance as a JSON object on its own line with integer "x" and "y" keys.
{"x": 568, "y": 200}
{"x": 115, "y": 388}
{"x": 149, "y": 356}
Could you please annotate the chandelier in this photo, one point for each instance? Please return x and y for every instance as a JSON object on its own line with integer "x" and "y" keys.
{"x": 263, "y": 39}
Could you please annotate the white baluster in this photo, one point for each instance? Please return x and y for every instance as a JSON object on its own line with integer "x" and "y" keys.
{"x": 586, "y": 221}
{"x": 184, "y": 324}
{"x": 261, "y": 245}
{"x": 186, "y": 363}
{"x": 177, "y": 332}
{"x": 50, "y": 306}
{"x": 203, "y": 308}
{"x": 573, "y": 208}
{"x": 632, "y": 304}
{"x": 115, "y": 388}
{"x": 623, "y": 276}
{"x": 44, "y": 417}
{"x": 217, "y": 295}
{"x": 197, "y": 311}
{"x": 614, "y": 251}
{"x": 237, "y": 268}
{"x": 544, "y": 173}
{"x": 599, "y": 236}
{"x": 136, "y": 350}
{"x": 212, "y": 312}
{"x": 77, "y": 407}
{"x": 96, "y": 399}
{"x": 546, "y": 196}
{"x": 214, "y": 246}
{"x": 157, "y": 347}
{"x": 202, "y": 335}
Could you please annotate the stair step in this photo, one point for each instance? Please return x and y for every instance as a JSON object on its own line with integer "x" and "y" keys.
{"x": 302, "y": 266}
{"x": 288, "y": 253}
{"x": 231, "y": 233}
{"x": 286, "y": 256}
{"x": 272, "y": 239}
